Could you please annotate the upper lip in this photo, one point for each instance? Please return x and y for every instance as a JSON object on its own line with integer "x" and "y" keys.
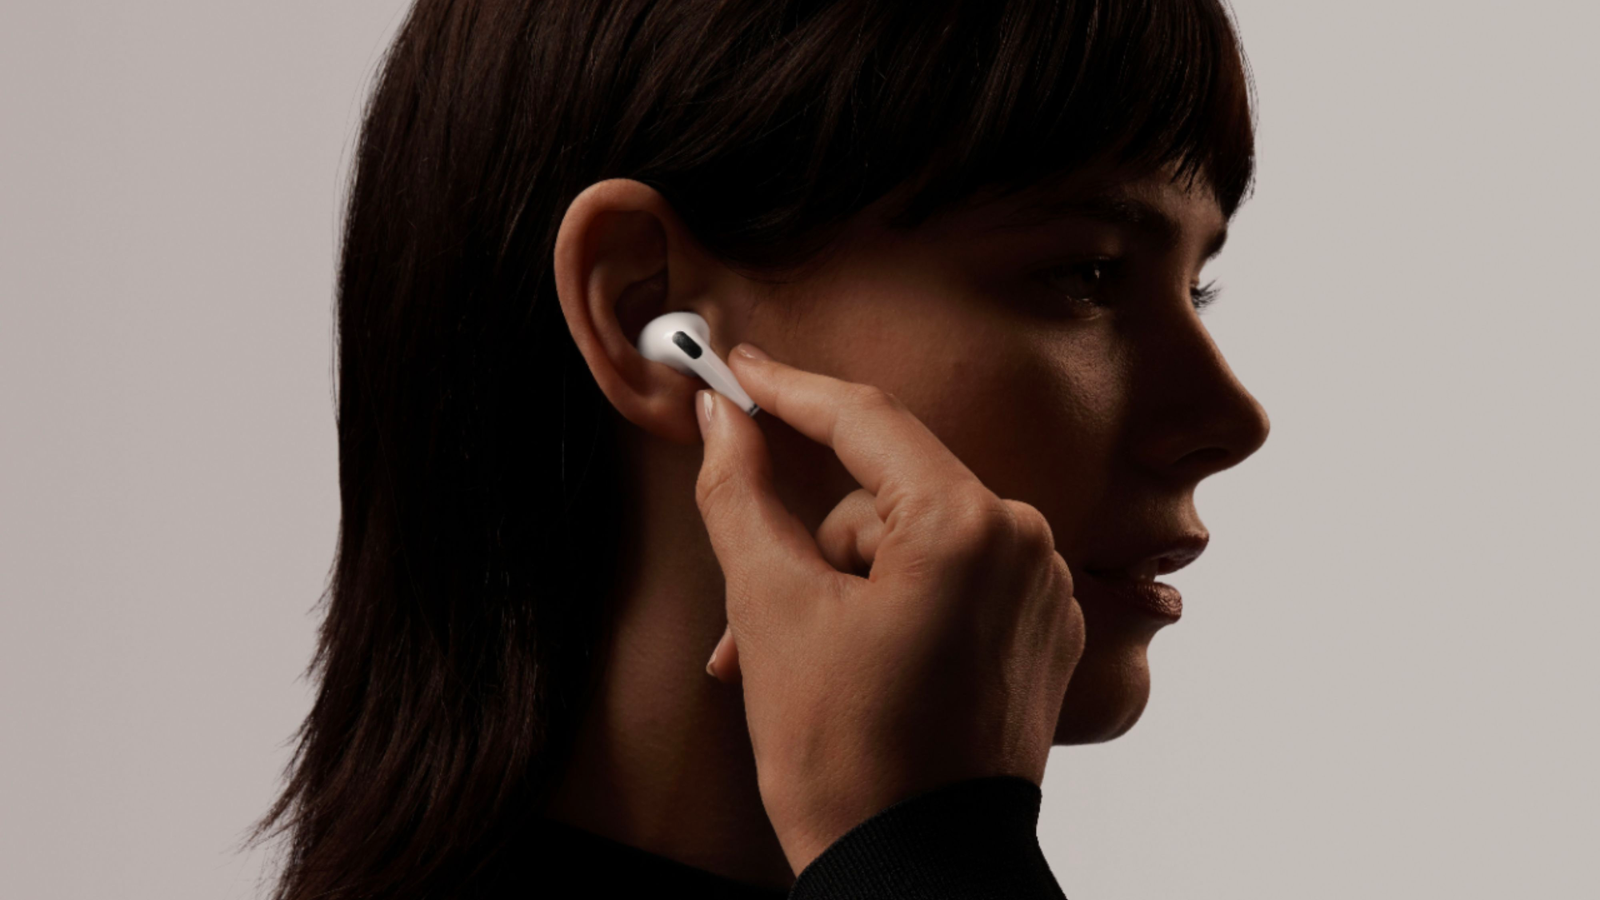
{"x": 1155, "y": 558}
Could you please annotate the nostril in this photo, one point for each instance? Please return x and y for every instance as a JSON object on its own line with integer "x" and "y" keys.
{"x": 1210, "y": 458}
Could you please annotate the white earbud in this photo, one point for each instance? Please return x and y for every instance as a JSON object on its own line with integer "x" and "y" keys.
{"x": 682, "y": 340}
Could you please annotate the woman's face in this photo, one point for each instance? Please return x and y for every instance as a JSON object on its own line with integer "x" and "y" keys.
{"x": 1052, "y": 341}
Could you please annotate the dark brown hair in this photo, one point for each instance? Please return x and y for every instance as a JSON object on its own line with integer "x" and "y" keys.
{"x": 468, "y": 607}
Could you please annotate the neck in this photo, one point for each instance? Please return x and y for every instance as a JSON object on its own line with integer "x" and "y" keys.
{"x": 662, "y": 760}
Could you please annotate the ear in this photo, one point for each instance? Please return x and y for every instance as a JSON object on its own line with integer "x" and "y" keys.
{"x": 622, "y": 258}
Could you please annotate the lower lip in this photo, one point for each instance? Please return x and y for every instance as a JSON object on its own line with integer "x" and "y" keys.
{"x": 1160, "y": 601}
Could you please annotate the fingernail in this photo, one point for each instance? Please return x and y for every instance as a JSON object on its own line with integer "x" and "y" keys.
{"x": 751, "y": 351}
{"x": 706, "y": 405}
{"x": 710, "y": 671}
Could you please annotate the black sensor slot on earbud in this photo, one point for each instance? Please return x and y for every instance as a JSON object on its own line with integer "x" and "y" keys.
{"x": 682, "y": 341}
{"x": 687, "y": 343}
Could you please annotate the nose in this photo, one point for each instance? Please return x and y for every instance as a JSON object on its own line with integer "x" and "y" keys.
{"x": 1198, "y": 419}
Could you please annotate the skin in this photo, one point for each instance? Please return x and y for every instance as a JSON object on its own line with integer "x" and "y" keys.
{"x": 1092, "y": 393}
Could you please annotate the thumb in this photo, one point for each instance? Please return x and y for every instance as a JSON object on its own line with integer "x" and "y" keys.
{"x": 758, "y": 542}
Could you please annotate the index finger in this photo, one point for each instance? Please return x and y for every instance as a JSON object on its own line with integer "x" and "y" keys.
{"x": 887, "y": 449}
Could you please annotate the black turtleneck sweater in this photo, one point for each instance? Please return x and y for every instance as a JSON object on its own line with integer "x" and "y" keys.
{"x": 972, "y": 839}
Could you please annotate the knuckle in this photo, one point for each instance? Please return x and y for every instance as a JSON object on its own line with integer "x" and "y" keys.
{"x": 712, "y": 487}
{"x": 979, "y": 520}
{"x": 1057, "y": 589}
{"x": 1033, "y": 529}
{"x": 1073, "y": 634}
{"x": 872, "y": 397}
{"x": 1063, "y": 575}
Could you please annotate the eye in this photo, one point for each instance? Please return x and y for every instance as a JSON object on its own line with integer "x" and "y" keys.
{"x": 1204, "y": 296}
{"x": 1083, "y": 282}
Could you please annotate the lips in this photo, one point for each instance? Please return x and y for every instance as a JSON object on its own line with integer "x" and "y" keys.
{"x": 1148, "y": 559}
{"x": 1153, "y": 598}
{"x": 1131, "y": 583}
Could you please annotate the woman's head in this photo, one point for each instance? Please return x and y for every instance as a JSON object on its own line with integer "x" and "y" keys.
{"x": 995, "y": 211}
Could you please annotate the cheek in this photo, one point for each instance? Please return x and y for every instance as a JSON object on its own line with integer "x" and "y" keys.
{"x": 1039, "y": 425}
{"x": 1032, "y": 409}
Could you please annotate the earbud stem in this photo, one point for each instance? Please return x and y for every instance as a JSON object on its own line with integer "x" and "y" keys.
{"x": 715, "y": 373}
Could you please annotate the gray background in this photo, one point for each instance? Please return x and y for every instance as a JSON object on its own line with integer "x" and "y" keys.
{"x": 1383, "y": 685}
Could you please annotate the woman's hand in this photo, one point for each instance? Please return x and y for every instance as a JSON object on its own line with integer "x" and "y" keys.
{"x": 948, "y": 661}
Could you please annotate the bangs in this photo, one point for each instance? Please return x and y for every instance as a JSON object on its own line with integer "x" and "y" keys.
{"x": 794, "y": 117}
{"x": 1058, "y": 85}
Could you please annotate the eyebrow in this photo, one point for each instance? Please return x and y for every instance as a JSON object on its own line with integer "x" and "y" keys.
{"x": 1110, "y": 208}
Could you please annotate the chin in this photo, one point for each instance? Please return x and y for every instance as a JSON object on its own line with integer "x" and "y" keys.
{"x": 1107, "y": 693}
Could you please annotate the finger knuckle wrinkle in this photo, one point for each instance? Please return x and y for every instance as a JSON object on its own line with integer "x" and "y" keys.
{"x": 712, "y": 487}
{"x": 980, "y": 521}
{"x": 870, "y": 396}
{"x": 1033, "y": 529}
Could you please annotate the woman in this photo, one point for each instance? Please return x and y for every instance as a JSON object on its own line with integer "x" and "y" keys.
{"x": 969, "y": 233}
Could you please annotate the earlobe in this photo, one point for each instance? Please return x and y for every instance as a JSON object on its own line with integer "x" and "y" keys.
{"x": 622, "y": 258}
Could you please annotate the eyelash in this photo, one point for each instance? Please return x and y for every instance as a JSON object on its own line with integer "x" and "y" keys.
{"x": 1200, "y": 297}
